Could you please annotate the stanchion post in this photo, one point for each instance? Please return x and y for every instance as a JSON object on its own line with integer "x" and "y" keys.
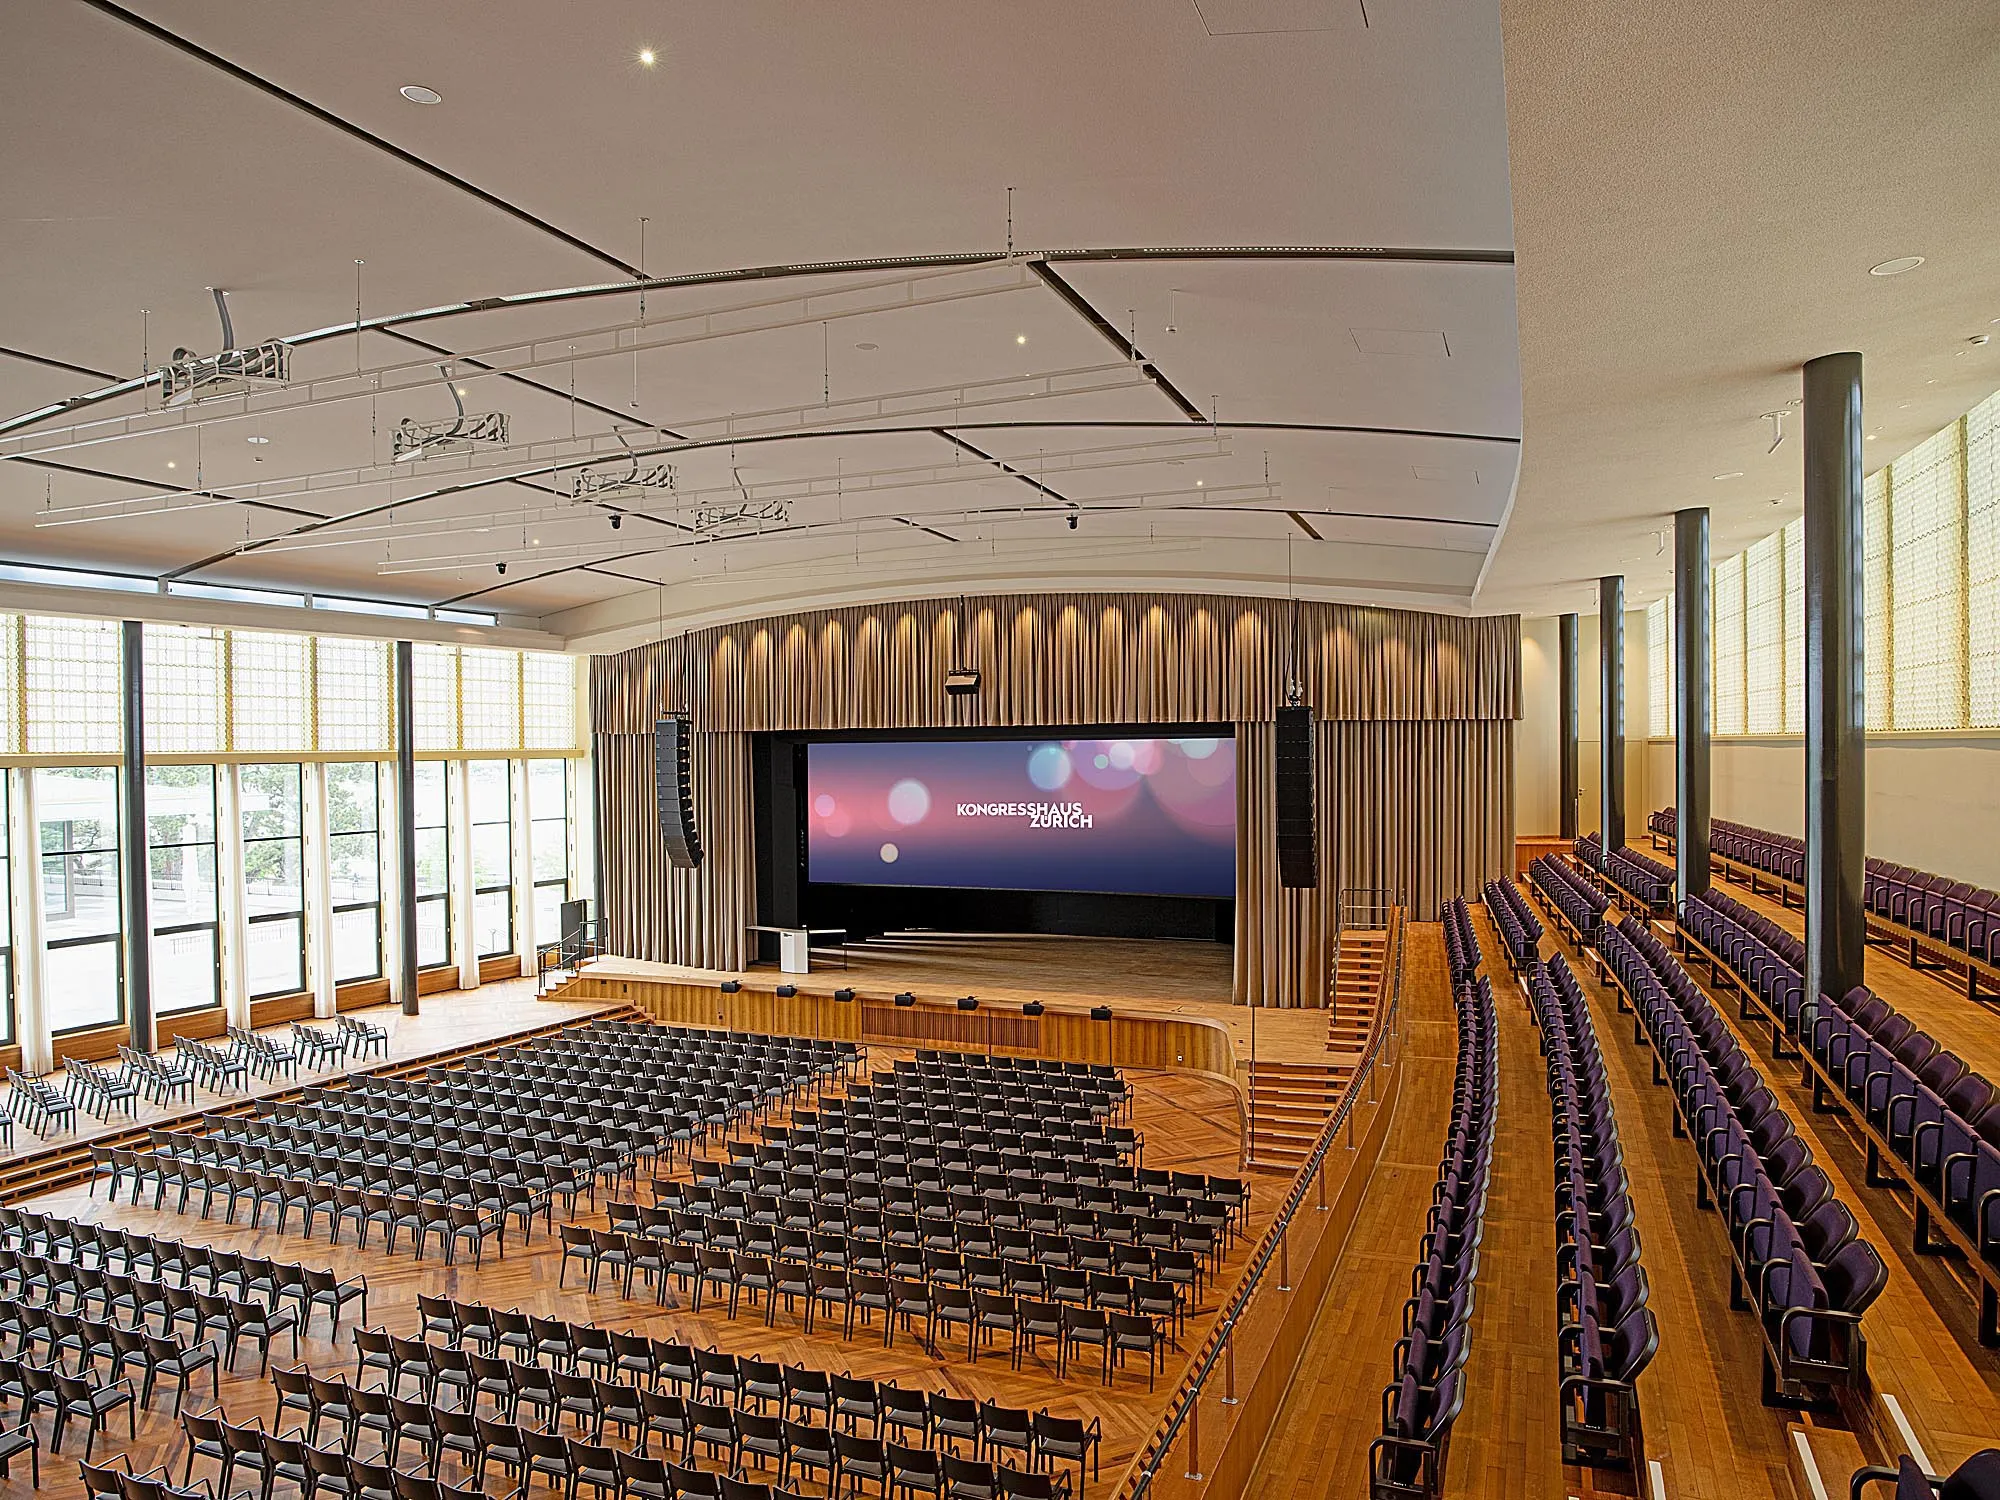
{"x": 1320, "y": 1171}
{"x": 1285, "y": 1259}
{"x": 1229, "y": 1367}
{"x": 1194, "y": 1438}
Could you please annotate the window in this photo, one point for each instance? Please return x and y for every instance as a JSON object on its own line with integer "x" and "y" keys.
{"x": 1982, "y": 563}
{"x": 1660, "y": 669}
{"x": 180, "y": 852}
{"x": 6, "y": 925}
{"x": 73, "y": 685}
{"x": 274, "y": 879}
{"x": 1876, "y": 541}
{"x": 1795, "y": 627}
{"x": 354, "y": 856}
{"x": 489, "y": 797}
{"x": 270, "y": 691}
{"x": 185, "y": 702}
{"x": 433, "y": 819}
{"x": 1927, "y": 584}
{"x": 489, "y": 698}
{"x": 354, "y": 693}
{"x": 548, "y": 839}
{"x": 1764, "y": 636}
{"x": 82, "y": 909}
{"x": 1728, "y": 688}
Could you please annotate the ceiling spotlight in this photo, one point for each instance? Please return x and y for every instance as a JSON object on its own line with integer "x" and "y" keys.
{"x": 501, "y": 569}
{"x": 647, "y": 57}
{"x": 172, "y": 465}
{"x": 616, "y": 520}
{"x": 417, "y": 93}
{"x": 1897, "y": 266}
{"x": 1873, "y": 435}
{"x": 1072, "y": 521}
{"x": 1732, "y": 474}
{"x": 1200, "y": 483}
{"x": 534, "y": 541}
{"x": 1020, "y": 338}
{"x": 1980, "y": 339}
{"x": 258, "y": 439}
{"x": 868, "y": 346}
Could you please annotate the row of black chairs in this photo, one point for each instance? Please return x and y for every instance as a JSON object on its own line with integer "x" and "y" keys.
{"x": 1629, "y": 875}
{"x": 1576, "y": 904}
{"x": 1606, "y": 1334}
{"x": 1421, "y": 1405}
{"x": 1515, "y": 920}
{"x": 1796, "y": 1258}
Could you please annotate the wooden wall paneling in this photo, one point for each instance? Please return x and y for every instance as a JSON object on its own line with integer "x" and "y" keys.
{"x": 435, "y": 981}
{"x": 279, "y": 1009}
{"x": 500, "y": 966}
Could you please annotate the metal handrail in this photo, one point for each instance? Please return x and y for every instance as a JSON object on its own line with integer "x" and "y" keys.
{"x": 1222, "y": 1333}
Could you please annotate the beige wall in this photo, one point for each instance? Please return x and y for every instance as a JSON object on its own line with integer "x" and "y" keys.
{"x": 1537, "y": 738}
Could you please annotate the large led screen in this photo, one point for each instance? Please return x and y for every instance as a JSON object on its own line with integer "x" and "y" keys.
{"x": 1154, "y": 817}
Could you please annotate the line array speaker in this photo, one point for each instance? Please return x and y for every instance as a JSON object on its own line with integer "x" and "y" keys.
{"x": 1298, "y": 848}
{"x": 673, "y": 784}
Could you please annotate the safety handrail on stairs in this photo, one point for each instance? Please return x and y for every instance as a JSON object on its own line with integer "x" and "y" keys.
{"x": 1183, "y": 1407}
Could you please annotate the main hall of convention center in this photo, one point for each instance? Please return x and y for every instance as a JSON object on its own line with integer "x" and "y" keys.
{"x": 1149, "y": 750}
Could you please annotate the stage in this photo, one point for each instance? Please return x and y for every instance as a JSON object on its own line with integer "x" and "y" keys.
{"x": 1159, "y": 979}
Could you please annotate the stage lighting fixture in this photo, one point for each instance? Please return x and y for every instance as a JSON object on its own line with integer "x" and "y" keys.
{"x": 786, "y": 991}
{"x": 1033, "y": 1008}
{"x": 501, "y": 569}
{"x": 1100, "y": 1012}
{"x": 188, "y": 376}
{"x": 411, "y": 439}
{"x": 906, "y": 998}
{"x": 961, "y": 682}
{"x": 1072, "y": 521}
{"x": 968, "y": 1002}
{"x": 616, "y": 520}
{"x": 843, "y": 994}
{"x": 731, "y": 986}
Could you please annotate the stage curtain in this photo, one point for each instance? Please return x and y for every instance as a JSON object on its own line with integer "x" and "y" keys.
{"x": 1414, "y": 751}
{"x": 1066, "y": 659}
{"x": 652, "y": 910}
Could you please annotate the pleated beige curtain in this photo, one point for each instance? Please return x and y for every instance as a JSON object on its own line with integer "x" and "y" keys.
{"x": 652, "y": 910}
{"x": 1414, "y": 751}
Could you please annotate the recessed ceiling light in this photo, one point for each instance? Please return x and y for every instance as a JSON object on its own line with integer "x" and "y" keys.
{"x": 1732, "y": 474}
{"x": 1873, "y": 435}
{"x": 1020, "y": 338}
{"x": 172, "y": 465}
{"x": 417, "y": 93}
{"x": 534, "y": 541}
{"x": 259, "y": 440}
{"x": 647, "y": 57}
{"x": 1897, "y": 266}
{"x": 460, "y": 390}
{"x": 1199, "y": 483}
{"x": 868, "y": 346}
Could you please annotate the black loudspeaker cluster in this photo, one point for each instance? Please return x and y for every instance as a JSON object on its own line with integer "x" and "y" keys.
{"x": 1298, "y": 848}
{"x": 673, "y": 783}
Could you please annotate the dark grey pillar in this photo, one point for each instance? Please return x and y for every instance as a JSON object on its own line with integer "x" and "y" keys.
{"x": 406, "y": 820}
{"x": 1693, "y": 620}
{"x": 1569, "y": 660}
{"x": 1611, "y": 660}
{"x": 1836, "y": 677}
{"x": 134, "y": 855}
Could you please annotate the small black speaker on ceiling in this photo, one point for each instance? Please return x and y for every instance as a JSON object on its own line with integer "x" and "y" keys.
{"x": 968, "y": 1002}
{"x": 843, "y": 994}
{"x": 1033, "y": 1008}
{"x": 731, "y": 986}
{"x": 1298, "y": 847}
{"x": 673, "y": 787}
{"x": 906, "y": 998}
{"x": 1100, "y": 1012}
{"x": 788, "y": 990}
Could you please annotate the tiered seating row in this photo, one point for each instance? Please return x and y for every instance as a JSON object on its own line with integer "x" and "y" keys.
{"x": 1954, "y": 914}
{"x": 1638, "y": 876}
{"x": 1577, "y": 905}
{"x": 1796, "y": 1258}
{"x": 1605, "y": 1333}
{"x": 1920, "y": 1109}
{"x": 1520, "y": 929}
{"x": 1461, "y": 943}
{"x": 1407, "y": 1462}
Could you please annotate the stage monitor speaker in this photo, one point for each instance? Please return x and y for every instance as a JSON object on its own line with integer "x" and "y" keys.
{"x": 1298, "y": 849}
{"x": 906, "y": 998}
{"x": 968, "y": 1002}
{"x": 673, "y": 784}
{"x": 843, "y": 995}
{"x": 730, "y": 986}
{"x": 1033, "y": 1008}
{"x": 786, "y": 991}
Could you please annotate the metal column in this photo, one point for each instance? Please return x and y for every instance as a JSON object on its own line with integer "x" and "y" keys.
{"x": 1568, "y": 662}
{"x": 1836, "y": 677}
{"x": 406, "y": 822}
{"x": 1693, "y": 625}
{"x": 1611, "y": 659}
{"x": 134, "y": 857}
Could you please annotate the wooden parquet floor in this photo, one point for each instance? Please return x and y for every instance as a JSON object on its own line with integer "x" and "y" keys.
{"x": 1189, "y": 1123}
{"x": 1319, "y": 1444}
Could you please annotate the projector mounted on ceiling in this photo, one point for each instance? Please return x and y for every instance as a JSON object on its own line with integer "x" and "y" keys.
{"x": 961, "y": 682}
{"x": 190, "y": 377}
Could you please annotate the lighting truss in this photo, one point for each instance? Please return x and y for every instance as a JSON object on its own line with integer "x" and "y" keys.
{"x": 841, "y": 486}
{"x": 188, "y": 377}
{"x": 560, "y": 350}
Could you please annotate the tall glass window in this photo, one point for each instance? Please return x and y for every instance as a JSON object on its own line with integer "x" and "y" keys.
{"x": 274, "y": 893}
{"x": 82, "y": 910}
{"x": 180, "y": 851}
{"x": 354, "y": 854}
{"x": 489, "y": 797}
{"x": 548, "y": 837}
{"x": 433, "y": 819}
{"x": 6, "y": 924}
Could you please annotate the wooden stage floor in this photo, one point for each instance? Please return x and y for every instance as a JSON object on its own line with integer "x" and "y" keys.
{"x": 1189, "y": 1123}
{"x": 1157, "y": 976}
